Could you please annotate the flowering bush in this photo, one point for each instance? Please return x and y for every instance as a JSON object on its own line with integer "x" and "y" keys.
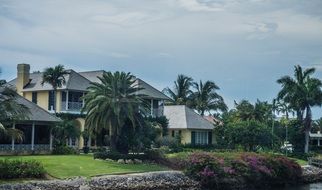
{"x": 212, "y": 170}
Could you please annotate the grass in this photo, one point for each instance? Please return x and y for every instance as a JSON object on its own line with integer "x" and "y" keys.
{"x": 66, "y": 166}
{"x": 300, "y": 162}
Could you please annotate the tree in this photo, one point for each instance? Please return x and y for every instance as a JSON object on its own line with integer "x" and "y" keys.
{"x": 206, "y": 99}
{"x": 55, "y": 77}
{"x": 302, "y": 93}
{"x": 251, "y": 134}
{"x": 112, "y": 102}
{"x": 261, "y": 111}
{"x": 10, "y": 111}
{"x": 181, "y": 91}
{"x": 64, "y": 130}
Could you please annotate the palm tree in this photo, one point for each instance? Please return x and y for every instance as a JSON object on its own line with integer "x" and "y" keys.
{"x": 205, "y": 98}
{"x": 302, "y": 93}
{"x": 112, "y": 102}
{"x": 64, "y": 130}
{"x": 181, "y": 91}
{"x": 55, "y": 77}
{"x": 11, "y": 110}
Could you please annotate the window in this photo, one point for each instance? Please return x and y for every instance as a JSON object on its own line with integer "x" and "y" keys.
{"x": 200, "y": 137}
{"x": 51, "y": 100}
{"x": 34, "y": 97}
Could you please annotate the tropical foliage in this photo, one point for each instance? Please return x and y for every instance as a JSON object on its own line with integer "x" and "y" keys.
{"x": 201, "y": 96}
{"x": 301, "y": 93}
{"x": 181, "y": 91}
{"x": 255, "y": 171}
{"x": 10, "y": 111}
{"x": 205, "y": 98}
{"x": 111, "y": 103}
{"x": 55, "y": 76}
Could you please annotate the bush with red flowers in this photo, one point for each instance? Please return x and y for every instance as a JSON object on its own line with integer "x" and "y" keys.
{"x": 214, "y": 171}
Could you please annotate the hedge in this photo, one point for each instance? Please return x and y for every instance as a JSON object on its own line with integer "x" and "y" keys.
{"x": 13, "y": 169}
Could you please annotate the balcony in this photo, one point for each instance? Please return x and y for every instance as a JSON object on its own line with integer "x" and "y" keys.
{"x": 71, "y": 106}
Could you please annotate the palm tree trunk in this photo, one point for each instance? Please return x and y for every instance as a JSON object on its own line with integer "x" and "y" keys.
{"x": 112, "y": 136}
{"x": 55, "y": 96}
{"x": 307, "y": 128}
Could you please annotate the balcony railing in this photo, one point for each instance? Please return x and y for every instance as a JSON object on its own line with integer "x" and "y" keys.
{"x": 24, "y": 147}
{"x": 72, "y": 106}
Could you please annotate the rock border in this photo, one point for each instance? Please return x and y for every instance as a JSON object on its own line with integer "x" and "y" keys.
{"x": 163, "y": 180}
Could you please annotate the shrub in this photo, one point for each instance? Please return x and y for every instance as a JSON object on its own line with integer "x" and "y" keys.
{"x": 257, "y": 170}
{"x": 113, "y": 155}
{"x": 86, "y": 150}
{"x": 172, "y": 143}
{"x": 64, "y": 150}
{"x": 11, "y": 169}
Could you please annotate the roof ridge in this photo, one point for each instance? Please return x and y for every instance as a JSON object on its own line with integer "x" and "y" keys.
{"x": 67, "y": 85}
{"x": 91, "y": 71}
{"x": 153, "y": 88}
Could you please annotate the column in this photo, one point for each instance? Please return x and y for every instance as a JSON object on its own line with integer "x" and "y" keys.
{"x": 89, "y": 142}
{"x": 33, "y": 136}
{"x": 12, "y": 139}
{"x": 50, "y": 140}
{"x": 67, "y": 94}
{"x": 152, "y": 107}
{"x": 83, "y": 100}
{"x": 318, "y": 142}
{"x": 70, "y": 142}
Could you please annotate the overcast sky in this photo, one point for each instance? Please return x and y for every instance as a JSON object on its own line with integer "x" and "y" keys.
{"x": 242, "y": 45}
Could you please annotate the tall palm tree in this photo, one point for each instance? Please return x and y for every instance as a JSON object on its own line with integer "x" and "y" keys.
{"x": 11, "y": 110}
{"x": 112, "y": 102}
{"x": 55, "y": 77}
{"x": 181, "y": 91}
{"x": 205, "y": 98}
{"x": 302, "y": 93}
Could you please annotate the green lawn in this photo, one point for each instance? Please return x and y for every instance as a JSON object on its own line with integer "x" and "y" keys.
{"x": 66, "y": 166}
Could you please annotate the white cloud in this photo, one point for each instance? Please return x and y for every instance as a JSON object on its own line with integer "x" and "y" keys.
{"x": 195, "y": 5}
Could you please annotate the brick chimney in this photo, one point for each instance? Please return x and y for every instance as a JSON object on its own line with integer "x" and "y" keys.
{"x": 23, "y": 77}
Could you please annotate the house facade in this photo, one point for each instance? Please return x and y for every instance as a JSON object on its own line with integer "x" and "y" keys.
{"x": 69, "y": 96}
{"x": 191, "y": 127}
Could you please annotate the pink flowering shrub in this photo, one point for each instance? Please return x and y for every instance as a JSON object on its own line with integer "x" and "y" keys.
{"x": 257, "y": 170}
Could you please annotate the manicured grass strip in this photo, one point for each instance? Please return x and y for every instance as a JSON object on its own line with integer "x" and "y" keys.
{"x": 66, "y": 166}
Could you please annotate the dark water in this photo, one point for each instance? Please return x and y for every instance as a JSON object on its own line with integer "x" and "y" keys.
{"x": 313, "y": 186}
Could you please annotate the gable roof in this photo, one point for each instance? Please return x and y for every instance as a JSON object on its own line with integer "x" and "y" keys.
{"x": 150, "y": 91}
{"x": 80, "y": 81}
{"x": 182, "y": 117}
{"x": 36, "y": 112}
{"x": 74, "y": 81}
{"x": 147, "y": 89}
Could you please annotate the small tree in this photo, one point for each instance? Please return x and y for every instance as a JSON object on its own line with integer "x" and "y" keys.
{"x": 55, "y": 77}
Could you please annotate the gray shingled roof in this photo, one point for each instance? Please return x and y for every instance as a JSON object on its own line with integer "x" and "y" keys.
{"x": 74, "y": 81}
{"x": 150, "y": 91}
{"x": 81, "y": 81}
{"x": 92, "y": 75}
{"x": 147, "y": 90}
{"x": 182, "y": 117}
{"x": 36, "y": 112}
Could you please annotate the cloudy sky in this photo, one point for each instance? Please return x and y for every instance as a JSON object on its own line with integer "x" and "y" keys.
{"x": 242, "y": 45}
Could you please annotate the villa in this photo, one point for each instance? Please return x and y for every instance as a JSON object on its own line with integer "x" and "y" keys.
{"x": 69, "y": 100}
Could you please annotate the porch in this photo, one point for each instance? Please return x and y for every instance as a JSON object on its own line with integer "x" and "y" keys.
{"x": 37, "y": 138}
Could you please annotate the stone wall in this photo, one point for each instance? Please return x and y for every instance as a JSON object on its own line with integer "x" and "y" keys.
{"x": 166, "y": 180}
